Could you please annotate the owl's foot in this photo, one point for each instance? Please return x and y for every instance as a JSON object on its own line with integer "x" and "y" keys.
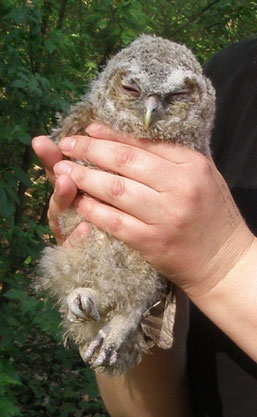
{"x": 81, "y": 305}
{"x": 106, "y": 346}
{"x": 103, "y": 351}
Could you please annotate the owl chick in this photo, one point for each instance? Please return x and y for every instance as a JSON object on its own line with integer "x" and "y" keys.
{"x": 154, "y": 88}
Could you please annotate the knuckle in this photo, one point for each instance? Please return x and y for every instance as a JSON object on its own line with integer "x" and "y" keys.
{"x": 84, "y": 147}
{"x": 124, "y": 155}
{"x": 78, "y": 175}
{"x": 158, "y": 241}
{"x": 193, "y": 195}
{"x": 161, "y": 238}
{"x": 140, "y": 236}
{"x": 114, "y": 223}
{"x": 117, "y": 187}
{"x": 180, "y": 224}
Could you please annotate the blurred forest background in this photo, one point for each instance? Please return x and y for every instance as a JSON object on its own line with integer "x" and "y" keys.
{"x": 50, "y": 51}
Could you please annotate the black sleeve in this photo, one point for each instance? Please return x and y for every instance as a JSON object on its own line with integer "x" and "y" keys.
{"x": 223, "y": 378}
{"x": 233, "y": 73}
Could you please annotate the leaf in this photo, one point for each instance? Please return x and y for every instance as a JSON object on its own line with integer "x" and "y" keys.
{"x": 7, "y": 206}
{"x": 21, "y": 175}
{"x": 128, "y": 36}
{"x": 24, "y": 138}
{"x": 17, "y": 14}
{"x": 7, "y": 340}
{"x": 8, "y": 374}
{"x": 33, "y": 85}
{"x": 15, "y": 294}
{"x": 8, "y": 408}
{"x": 19, "y": 84}
{"x": 50, "y": 46}
{"x": 137, "y": 13}
{"x": 13, "y": 322}
{"x": 102, "y": 24}
{"x": 43, "y": 81}
{"x": 11, "y": 193}
{"x": 10, "y": 179}
{"x": 49, "y": 322}
{"x": 19, "y": 133}
{"x": 28, "y": 260}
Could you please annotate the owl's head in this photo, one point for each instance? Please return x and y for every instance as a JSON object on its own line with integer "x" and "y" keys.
{"x": 155, "y": 89}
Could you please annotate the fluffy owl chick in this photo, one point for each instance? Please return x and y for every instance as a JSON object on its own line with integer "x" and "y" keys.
{"x": 154, "y": 88}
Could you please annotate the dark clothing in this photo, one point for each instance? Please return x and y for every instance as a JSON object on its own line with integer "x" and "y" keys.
{"x": 233, "y": 73}
{"x": 224, "y": 379}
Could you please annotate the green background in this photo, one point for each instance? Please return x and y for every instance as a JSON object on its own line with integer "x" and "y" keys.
{"x": 50, "y": 51}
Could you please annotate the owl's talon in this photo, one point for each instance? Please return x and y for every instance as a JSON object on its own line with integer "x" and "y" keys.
{"x": 100, "y": 360}
{"x": 114, "y": 357}
{"x": 107, "y": 349}
{"x": 81, "y": 306}
{"x": 106, "y": 355}
{"x": 87, "y": 355}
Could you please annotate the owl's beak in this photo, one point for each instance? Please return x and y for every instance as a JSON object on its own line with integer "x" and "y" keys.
{"x": 150, "y": 106}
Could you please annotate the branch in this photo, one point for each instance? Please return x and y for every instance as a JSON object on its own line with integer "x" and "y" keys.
{"x": 207, "y": 28}
{"x": 195, "y": 16}
{"x": 61, "y": 14}
{"x": 45, "y": 17}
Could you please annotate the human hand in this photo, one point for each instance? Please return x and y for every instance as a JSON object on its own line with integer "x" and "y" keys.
{"x": 168, "y": 202}
{"x": 65, "y": 190}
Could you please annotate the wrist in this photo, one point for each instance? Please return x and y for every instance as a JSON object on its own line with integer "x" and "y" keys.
{"x": 224, "y": 264}
{"x": 231, "y": 303}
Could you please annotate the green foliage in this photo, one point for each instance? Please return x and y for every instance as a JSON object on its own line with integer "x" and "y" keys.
{"x": 49, "y": 53}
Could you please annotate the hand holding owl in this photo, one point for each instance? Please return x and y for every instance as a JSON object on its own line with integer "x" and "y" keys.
{"x": 225, "y": 225}
{"x": 109, "y": 284}
{"x": 182, "y": 188}
{"x": 184, "y": 164}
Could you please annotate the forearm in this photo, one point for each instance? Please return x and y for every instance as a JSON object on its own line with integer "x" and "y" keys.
{"x": 232, "y": 304}
{"x": 158, "y": 386}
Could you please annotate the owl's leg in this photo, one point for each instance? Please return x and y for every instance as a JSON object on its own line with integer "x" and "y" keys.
{"x": 81, "y": 305}
{"x": 103, "y": 350}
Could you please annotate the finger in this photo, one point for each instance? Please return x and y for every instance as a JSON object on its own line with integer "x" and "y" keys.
{"x": 128, "y": 161}
{"x": 62, "y": 198}
{"x": 175, "y": 153}
{"x": 78, "y": 235}
{"x": 115, "y": 190}
{"x": 49, "y": 154}
{"x": 122, "y": 226}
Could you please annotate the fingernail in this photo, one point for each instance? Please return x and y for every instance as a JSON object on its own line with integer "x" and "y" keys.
{"x": 67, "y": 144}
{"x": 56, "y": 187}
{"x": 94, "y": 127}
{"x": 62, "y": 168}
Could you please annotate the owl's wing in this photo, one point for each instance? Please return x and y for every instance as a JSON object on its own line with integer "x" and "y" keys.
{"x": 158, "y": 321}
{"x": 75, "y": 122}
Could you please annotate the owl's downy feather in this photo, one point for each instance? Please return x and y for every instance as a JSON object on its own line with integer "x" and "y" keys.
{"x": 107, "y": 293}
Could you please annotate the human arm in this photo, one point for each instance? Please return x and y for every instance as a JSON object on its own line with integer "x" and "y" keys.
{"x": 187, "y": 225}
{"x": 159, "y": 384}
